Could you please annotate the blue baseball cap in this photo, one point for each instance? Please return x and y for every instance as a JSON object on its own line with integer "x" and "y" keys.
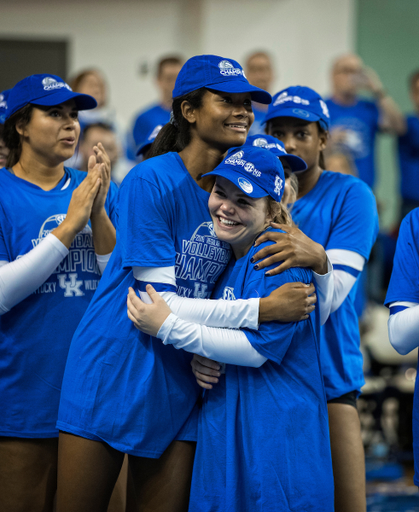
{"x": 145, "y": 145}
{"x": 217, "y": 73}
{"x": 3, "y": 105}
{"x": 255, "y": 171}
{"x": 277, "y": 148}
{"x": 46, "y": 90}
{"x": 300, "y": 102}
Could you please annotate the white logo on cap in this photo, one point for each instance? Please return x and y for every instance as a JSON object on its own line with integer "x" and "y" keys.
{"x": 283, "y": 98}
{"x": 227, "y": 69}
{"x": 260, "y": 142}
{"x": 324, "y": 108}
{"x": 245, "y": 185}
{"x": 155, "y": 132}
{"x": 3, "y": 102}
{"x": 263, "y": 143}
{"x": 278, "y": 185}
{"x": 237, "y": 159}
{"x": 300, "y": 112}
{"x": 50, "y": 84}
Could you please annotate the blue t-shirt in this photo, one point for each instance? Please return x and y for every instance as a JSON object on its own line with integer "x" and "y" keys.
{"x": 120, "y": 385}
{"x": 263, "y": 442}
{"x": 340, "y": 212}
{"x": 257, "y": 125}
{"x": 360, "y": 121}
{"x": 404, "y": 287}
{"x": 143, "y": 124}
{"x": 35, "y": 334}
{"x": 409, "y": 159}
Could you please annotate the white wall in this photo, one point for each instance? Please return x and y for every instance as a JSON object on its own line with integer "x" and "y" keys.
{"x": 117, "y": 36}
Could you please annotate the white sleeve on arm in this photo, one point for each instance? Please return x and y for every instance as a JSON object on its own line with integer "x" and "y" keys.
{"x": 325, "y": 290}
{"x": 403, "y": 326}
{"x": 347, "y": 265}
{"x": 20, "y": 278}
{"x": 102, "y": 261}
{"x": 222, "y": 345}
{"x": 213, "y": 313}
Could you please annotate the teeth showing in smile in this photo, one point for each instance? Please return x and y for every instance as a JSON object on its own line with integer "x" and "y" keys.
{"x": 227, "y": 222}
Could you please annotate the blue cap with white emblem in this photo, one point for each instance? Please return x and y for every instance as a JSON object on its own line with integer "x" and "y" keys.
{"x": 300, "y": 102}
{"x": 257, "y": 172}
{"x": 277, "y": 147}
{"x": 45, "y": 90}
{"x": 216, "y": 73}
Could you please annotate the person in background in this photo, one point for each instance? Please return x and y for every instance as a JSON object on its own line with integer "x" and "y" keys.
{"x": 408, "y": 151}
{"x": 356, "y": 121}
{"x": 4, "y": 150}
{"x": 158, "y": 113}
{"x": 144, "y": 150}
{"x": 101, "y": 132}
{"x": 259, "y": 72}
{"x": 92, "y": 82}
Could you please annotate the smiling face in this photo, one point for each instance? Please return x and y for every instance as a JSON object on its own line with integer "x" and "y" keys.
{"x": 223, "y": 120}
{"x": 300, "y": 138}
{"x": 238, "y": 219}
{"x": 52, "y": 133}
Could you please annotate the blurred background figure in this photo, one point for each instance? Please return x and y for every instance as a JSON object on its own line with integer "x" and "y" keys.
{"x": 144, "y": 148}
{"x": 104, "y": 133}
{"x": 91, "y": 81}
{"x": 158, "y": 113}
{"x": 4, "y": 151}
{"x": 259, "y": 72}
{"x": 355, "y": 121}
{"x": 408, "y": 146}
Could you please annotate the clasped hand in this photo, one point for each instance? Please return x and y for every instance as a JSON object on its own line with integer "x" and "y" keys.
{"x": 147, "y": 318}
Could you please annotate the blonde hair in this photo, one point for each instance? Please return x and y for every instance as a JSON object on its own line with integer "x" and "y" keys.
{"x": 279, "y": 212}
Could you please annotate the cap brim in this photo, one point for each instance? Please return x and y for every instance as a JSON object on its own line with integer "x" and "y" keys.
{"x": 295, "y": 162}
{"x": 296, "y": 112}
{"x": 239, "y": 86}
{"x": 83, "y": 101}
{"x": 235, "y": 177}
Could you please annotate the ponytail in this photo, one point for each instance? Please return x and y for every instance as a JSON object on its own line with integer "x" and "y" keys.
{"x": 175, "y": 135}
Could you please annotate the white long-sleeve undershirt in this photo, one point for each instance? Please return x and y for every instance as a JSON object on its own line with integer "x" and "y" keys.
{"x": 223, "y": 345}
{"x": 403, "y": 327}
{"x": 21, "y": 277}
{"x": 212, "y": 313}
{"x": 209, "y": 327}
{"x": 344, "y": 262}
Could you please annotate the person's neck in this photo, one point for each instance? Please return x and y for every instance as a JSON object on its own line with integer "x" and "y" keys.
{"x": 200, "y": 159}
{"x": 307, "y": 180}
{"x": 38, "y": 172}
{"x": 345, "y": 99}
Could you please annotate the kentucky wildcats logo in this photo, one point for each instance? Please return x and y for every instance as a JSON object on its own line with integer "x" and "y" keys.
{"x": 228, "y": 293}
{"x": 50, "y": 84}
{"x": 227, "y": 69}
{"x": 324, "y": 108}
{"x": 71, "y": 286}
{"x": 278, "y": 185}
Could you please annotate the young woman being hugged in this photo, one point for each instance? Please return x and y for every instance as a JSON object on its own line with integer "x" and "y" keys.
{"x": 53, "y": 220}
{"x": 263, "y": 442}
